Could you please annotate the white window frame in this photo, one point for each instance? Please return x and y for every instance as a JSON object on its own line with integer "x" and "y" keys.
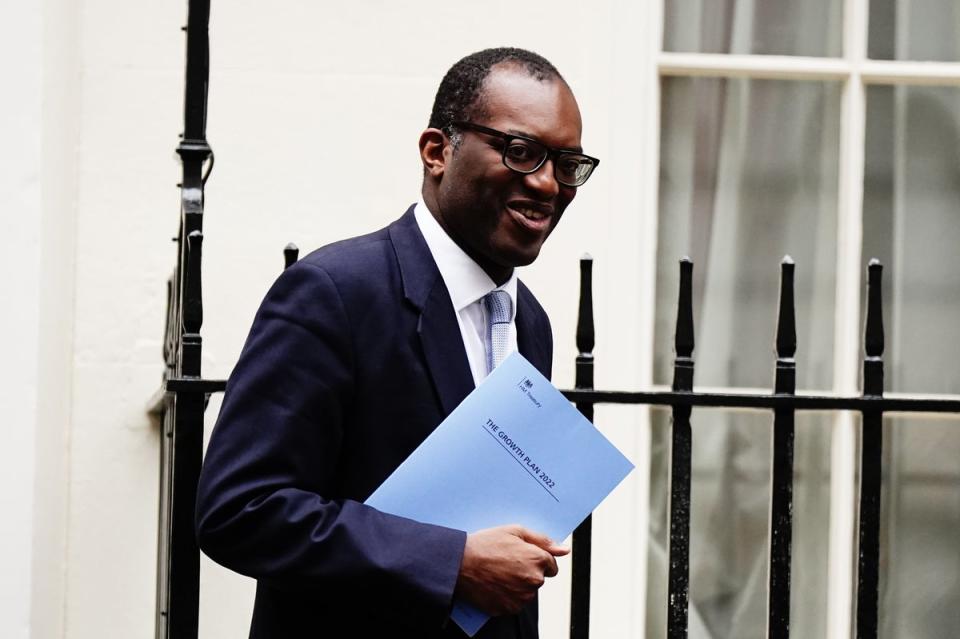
{"x": 856, "y": 72}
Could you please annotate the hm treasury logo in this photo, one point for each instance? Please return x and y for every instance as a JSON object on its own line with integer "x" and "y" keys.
{"x": 526, "y": 385}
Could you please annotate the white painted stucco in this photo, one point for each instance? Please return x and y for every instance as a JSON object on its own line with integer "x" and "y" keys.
{"x": 20, "y": 227}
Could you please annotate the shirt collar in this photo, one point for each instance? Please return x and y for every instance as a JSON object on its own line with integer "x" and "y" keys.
{"x": 466, "y": 282}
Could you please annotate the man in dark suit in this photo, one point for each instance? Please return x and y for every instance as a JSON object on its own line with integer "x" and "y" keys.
{"x": 362, "y": 348}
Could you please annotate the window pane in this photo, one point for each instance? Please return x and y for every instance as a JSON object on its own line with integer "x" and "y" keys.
{"x": 920, "y": 517}
{"x": 914, "y": 30}
{"x": 771, "y": 27}
{"x": 911, "y": 223}
{"x": 729, "y": 524}
{"x": 748, "y": 174}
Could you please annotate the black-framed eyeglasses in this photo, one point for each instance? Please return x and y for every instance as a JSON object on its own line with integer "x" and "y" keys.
{"x": 526, "y": 155}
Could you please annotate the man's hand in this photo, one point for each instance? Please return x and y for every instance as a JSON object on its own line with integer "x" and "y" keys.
{"x": 503, "y": 567}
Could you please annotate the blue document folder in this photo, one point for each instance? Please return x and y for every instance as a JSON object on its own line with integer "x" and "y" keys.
{"x": 515, "y": 451}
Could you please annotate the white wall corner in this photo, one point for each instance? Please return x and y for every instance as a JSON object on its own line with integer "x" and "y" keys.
{"x": 20, "y": 203}
{"x": 59, "y": 140}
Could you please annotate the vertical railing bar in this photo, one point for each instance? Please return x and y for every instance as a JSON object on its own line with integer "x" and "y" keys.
{"x": 165, "y": 502}
{"x": 868, "y": 565}
{"x": 171, "y": 347}
{"x": 197, "y": 70}
{"x": 781, "y": 489}
{"x": 582, "y": 536}
{"x": 170, "y": 327}
{"x": 680, "y": 462}
{"x": 183, "y": 598}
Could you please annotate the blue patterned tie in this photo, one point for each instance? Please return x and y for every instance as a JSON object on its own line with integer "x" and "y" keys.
{"x": 499, "y": 309}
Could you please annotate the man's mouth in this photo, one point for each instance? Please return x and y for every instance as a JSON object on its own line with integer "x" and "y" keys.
{"x": 533, "y": 216}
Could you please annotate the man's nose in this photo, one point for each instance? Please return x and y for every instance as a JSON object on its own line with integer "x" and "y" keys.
{"x": 542, "y": 181}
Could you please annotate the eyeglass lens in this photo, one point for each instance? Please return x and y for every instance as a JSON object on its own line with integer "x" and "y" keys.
{"x": 527, "y": 156}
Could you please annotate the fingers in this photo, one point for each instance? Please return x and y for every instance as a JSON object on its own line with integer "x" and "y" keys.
{"x": 551, "y": 569}
{"x": 504, "y": 567}
{"x": 547, "y": 563}
{"x": 542, "y": 541}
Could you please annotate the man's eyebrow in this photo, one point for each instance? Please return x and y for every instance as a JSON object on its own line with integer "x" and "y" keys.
{"x": 524, "y": 134}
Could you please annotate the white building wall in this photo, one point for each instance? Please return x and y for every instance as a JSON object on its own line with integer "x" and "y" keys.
{"x": 59, "y": 147}
{"x": 314, "y": 116}
{"x": 20, "y": 227}
{"x": 129, "y": 116}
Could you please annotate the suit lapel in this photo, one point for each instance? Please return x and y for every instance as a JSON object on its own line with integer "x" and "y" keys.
{"x": 533, "y": 342}
{"x": 438, "y": 329}
{"x": 443, "y": 349}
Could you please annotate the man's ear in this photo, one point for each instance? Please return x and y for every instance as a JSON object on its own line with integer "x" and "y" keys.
{"x": 432, "y": 144}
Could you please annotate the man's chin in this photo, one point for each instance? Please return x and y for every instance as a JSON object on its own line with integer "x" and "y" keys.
{"x": 522, "y": 257}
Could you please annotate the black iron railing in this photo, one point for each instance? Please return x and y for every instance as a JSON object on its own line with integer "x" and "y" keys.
{"x": 784, "y": 403}
{"x": 181, "y": 401}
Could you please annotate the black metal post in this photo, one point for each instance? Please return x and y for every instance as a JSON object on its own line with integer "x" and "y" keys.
{"x": 181, "y": 447}
{"x": 582, "y": 536}
{"x": 680, "y": 461}
{"x": 868, "y": 565}
{"x": 781, "y": 498}
{"x": 187, "y": 440}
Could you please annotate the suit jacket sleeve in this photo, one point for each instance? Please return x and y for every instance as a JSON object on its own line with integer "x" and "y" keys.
{"x": 266, "y": 503}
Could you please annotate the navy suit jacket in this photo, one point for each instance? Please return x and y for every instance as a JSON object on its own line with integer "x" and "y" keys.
{"x": 354, "y": 357}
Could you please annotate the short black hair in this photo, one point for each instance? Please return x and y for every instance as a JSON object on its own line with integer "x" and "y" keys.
{"x": 459, "y": 95}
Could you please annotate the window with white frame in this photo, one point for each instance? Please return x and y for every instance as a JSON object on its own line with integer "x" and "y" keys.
{"x": 827, "y": 130}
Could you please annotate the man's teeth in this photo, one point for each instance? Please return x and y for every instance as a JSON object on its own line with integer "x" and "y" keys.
{"x": 531, "y": 214}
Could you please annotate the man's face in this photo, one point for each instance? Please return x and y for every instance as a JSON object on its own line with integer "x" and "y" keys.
{"x": 497, "y": 216}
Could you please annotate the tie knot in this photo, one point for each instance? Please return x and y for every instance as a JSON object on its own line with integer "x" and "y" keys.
{"x": 499, "y": 306}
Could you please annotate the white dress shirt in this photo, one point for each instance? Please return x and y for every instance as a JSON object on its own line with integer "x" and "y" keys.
{"x": 467, "y": 283}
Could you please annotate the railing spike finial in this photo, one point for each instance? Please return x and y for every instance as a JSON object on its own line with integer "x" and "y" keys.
{"x": 683, "y": 337}
{"x": 873, "y": 333}
{"x": 585, "y": 328}
{"x": 786, "y": 320}
{"x": 290, "y": 255}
